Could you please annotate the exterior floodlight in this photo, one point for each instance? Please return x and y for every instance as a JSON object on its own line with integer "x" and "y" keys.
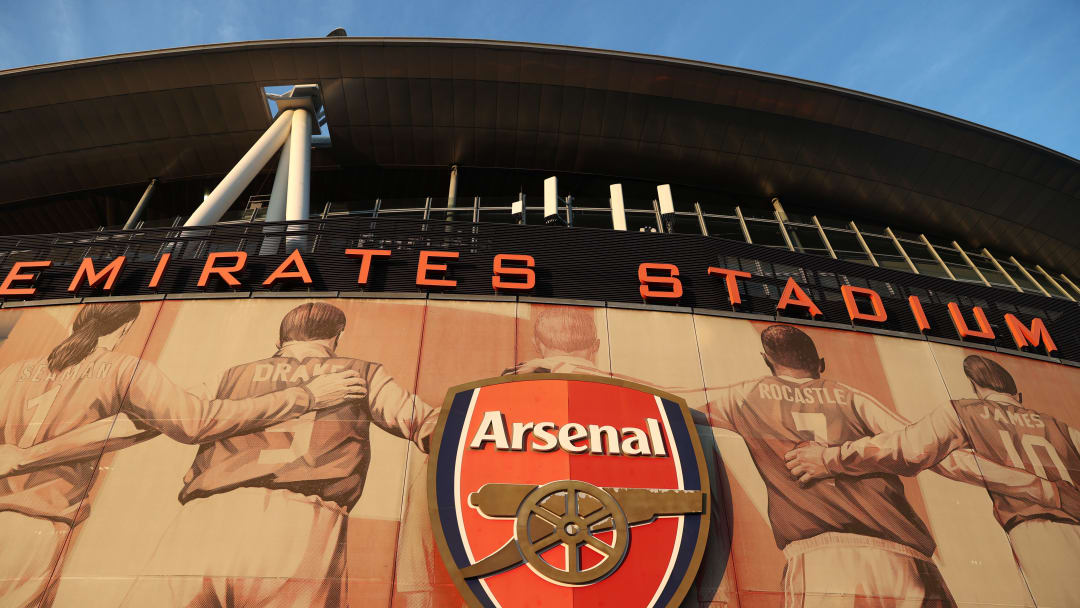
{"x": 517, "y": 209}
{"x": 551, "y": 202}
{"x": 618, "y": 209}
{"x": 667, "y": 207}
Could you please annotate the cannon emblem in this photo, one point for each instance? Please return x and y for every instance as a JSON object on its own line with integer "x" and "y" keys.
{"x": 572, "y": 513}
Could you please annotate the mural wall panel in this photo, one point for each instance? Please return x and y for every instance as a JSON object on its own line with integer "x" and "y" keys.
{"x": 275, "y": 452}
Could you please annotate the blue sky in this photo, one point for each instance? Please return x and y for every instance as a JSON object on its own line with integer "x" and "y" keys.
{"x": 1010, "y": 65}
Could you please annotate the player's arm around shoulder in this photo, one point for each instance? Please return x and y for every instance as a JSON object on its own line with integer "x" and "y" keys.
{"x": 906, "y": 450}
{"x": 158, "y": 402}
{"x": 398, "y": 411}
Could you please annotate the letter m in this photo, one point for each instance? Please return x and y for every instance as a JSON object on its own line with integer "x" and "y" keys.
{"x": 93, "y": 278}
{"x": 1034, "y": 336}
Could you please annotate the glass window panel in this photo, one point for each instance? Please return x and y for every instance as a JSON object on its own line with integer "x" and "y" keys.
{"x": 411, "y": 203}
{"x": 637, "y": 203}
{"x": 834, "y": 222}
{"x": 1020, "y": 279}
{"x": 758, "y": 212}
{"x": 765, "y": 233}
{"x": 880, "y": 245}
{"x": 928, "y": 267}
{"x": 592, "y": 218}
{"x": 957, "y": 265}
{"x": 989, "y": 271}
{"x": 866, "y": 228}
{"x": 885, "y": 251}
{"x": 163, "y": 222}
{"x": 725, "y": 228}
{"x": 904, "y": 235}
{"x": 402, "y": 213}
{"x": 497, "y": 216}
{"x": 717, "y": 208}
{"x": 807, "y": 240}
{"x": 685, "y": 223}
{"x": 846, "y": 246}
{"x": 799, "y": 217}
{"x": 363, "y": 207}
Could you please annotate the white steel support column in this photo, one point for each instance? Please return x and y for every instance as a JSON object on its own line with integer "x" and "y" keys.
{"x": 964, "y": 255}
{"x": 742, "y": 224}
{"x": 451, "y": 195}
{"x": 781, "y": 217}
{"x": 1027, "y": 275}
{"x": 937, "y": 258}
{"x": 298, "y": 194}
{"x": 1056, "y": 285}
{"x": 900, "y": 248}
{"x": 1070, "y": 283}
{"x": 618, "y": 209}
{"x": 1001, "y": 269}
{"x": 275, "y": 212}
{"x": 133, "y": 219}
{"x": 234, "y": 182}
{"x": 862, "y": 242}
{"x": 824, "y": 237}
{"x": 701, "y": 219}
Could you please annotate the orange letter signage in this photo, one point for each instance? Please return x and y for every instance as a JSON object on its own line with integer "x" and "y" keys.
{"x": 961, "y": 325}
{"x": 301, "y": 272}
{"x": 160, "y": 270}
{"x": 225, "y": 272}
{"x": 94, "y": 278}
{"x": 365, "y": 256}
{"x": 729, "y": 281}
{"x": 1022, "y": 336}
{"x": 424, "y": 266}
{"x": 16, "y": 274}
{"x": 647, "y": 281}
{"x": 795, "y": 296}
{"x": 527, "y": 274}
{"x": 878, "y": 316}
{"x": 918, "y": 312}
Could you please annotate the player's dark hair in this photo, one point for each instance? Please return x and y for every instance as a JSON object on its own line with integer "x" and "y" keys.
{"x": 989, "y": 374}
{"x": 312, "y": 321}
{"x": 791, "y": 347}
{"x": 92, "y": 322}
{"x": 565, "y": 328}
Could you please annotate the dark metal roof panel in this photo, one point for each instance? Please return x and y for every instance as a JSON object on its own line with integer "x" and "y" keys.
{"x": 181, "y": 113}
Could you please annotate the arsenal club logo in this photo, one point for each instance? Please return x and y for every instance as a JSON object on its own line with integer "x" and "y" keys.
{"x": 568, "y": 490}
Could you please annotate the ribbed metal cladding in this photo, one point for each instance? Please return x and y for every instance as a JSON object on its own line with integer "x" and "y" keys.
{"x": 571, "y": 263}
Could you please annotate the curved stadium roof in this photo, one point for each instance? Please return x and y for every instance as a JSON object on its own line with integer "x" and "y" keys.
{"x": 192, "y": 112}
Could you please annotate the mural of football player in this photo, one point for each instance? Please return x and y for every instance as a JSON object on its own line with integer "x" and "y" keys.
{"x": 855, "y": 536}
{"x": 1045, "y": 539}
{"x": 566, "y": 339}
{"x": 55, "y": 420}
{"x": 277, "y": 501}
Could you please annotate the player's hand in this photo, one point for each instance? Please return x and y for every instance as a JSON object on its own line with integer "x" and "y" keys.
{"x": 532, "y": 367}
{"x": 807, "y": 462}
{"x": 10, "y": 458}
{"x": 334, "y": 389}
{"x": 1069, "y": 496}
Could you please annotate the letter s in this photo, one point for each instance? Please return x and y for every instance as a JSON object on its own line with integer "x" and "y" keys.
{"x": 542, "y": 432}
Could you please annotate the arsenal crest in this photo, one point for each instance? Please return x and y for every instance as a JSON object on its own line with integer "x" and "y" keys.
{"x": 568, "y": 490}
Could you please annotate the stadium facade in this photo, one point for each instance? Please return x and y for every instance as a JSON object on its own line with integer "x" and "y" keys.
{"x": 631, "y": 330}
